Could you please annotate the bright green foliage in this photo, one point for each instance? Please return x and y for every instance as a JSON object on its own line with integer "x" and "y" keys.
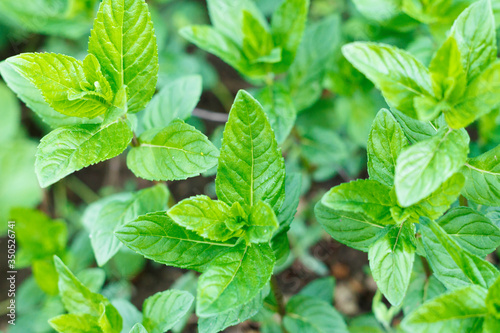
{"x": 308, "y": 314}
{"x": 461, "y": 310}
{"x": 112, "y": 213}
{"x": 138, "y": 328}
{"x": 157, "y": 237}
{"x": 262, "y": 223}
{"x": 164, "y": 309}
{"x": 207, "y": 217}
{"x": 241, "y": 36}
{"x": 462, "y": 79}
{"x": 452, "y": 265}
{"x": 483, "y": 178}
{"x": 175, "y": 152}
{"x": 33, "y": 98}
{"x": 177, "y": 99}
{"x": 424, "y": 166}
{"x": 234, "y": 278}
{"x": 63, "y": 81}
{"x": 408, "y": 79}
{"x": 123, "y": 41}
{"x": 71, "y": 148}
{"x": 391, "y": 261}
{"x": 471, "y": 230}
{"x": 385, "y": 143}
{"x": 251, "y": 167}
{"x": 86, "y": 309}
{"x": 234, "y": 316}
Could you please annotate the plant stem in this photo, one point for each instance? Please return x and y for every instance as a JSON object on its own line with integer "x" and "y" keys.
{"x": 427, "y": 268}
{"x": 210, "y": 115}
{"x": 279, "y": 299}
{"x": 81, "y": 189}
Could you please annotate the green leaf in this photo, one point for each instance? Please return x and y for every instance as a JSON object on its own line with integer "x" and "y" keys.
{"x": 279, "y": 108}
{"x": 436, "y": 204}
{"x": 251, "y": 167}
{"x": 71, "y": 148}
{"x": 367, "y": 197}
{"x": 459, "y": 311}
{"x": 79, "y": 299}
{"x": 234, "y": 278}
{"x": 11, "y": 114}
{"x": 391, "y": 262}
{"x": 176, "y": 100}
{"x": 50, "y": 238}
{"x": 308, "y": 314}
{"x": 483, "y": 178}
{"x": 474, "y": 31}
{"x": 385, "y": 143}
{"x": 287, "y": 25}
{"x": 491, "y": 324}
{"x": 32, "y": 97}
{"x": 63, "y": 83}
{"x": 481, "y": 96}
{"x": 321, "y": 288}
{"x": 234, "y": 316}
{"x": 215, "y": 42}
{"x": 206, "y": 217}
{"x": 124, "y": 42}
{"x": 355, "y": 230}
{"x": 75, "y": 323}
{"x": 227, "y": 17}
{"x": 114, "y": 214}
{"x": 262, "y": 223}
{"x": 157, "y": 237}
{"x": 415, "y": 130}
{"x": 138, "y": 328}
{"x": 110, "y": 320}
{"x": 423, "y": 167}
{"x": 493, "y": 299}
{"x": 449, "y": 77}
{"x": 471, "y": 230}
{"x": 164, "y": 309}
{"x": 305, "y": 76}
{"x": 257, "y": 41}
{"x": 407, "y": 80}
{"x": 452, "y": 265}
{"x": 175, "y": 152}
{"x": 293, "y": 187}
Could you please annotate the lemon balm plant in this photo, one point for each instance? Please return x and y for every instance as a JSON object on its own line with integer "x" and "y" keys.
{"x": 427, "y": 215}
{"x": 418, "y": 168}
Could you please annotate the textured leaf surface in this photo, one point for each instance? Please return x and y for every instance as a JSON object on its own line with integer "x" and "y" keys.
{"x": 75, "y": 323}
{"x": 251, "y": 167}
{"x": 232, "y": 317}
{"x": 355, "y": 230}
{"x": 460, "y": 311}
{"x": 112, "y": 215}
{"x": 483, "y": 178}
{"x": 71, "y": 148}
{"x": 471, "y": 230}
{"x": 157, "y": 237}
{"x": 124, "y": 42}
{"x": 175, "y": 152}
{"x": 177, "y": 99}
{"x": 308, "y": 314}
{"x": 424, "y": 166}
{"x": 62, "y": 81}
{"x": 452, "y": 265}
{"x": 204, "y": 216}
{"x": 262, "y": 223}
{"x": 474, "y": 31}
{"x": 367, "y": 197}
{"x": 32, "y": 97}
{"x": 391, "y": 262}
{"x": 234, "y": 278}
{"x": 385, "y": 143}
{"x": 164, "y": 309}
{"x": 395, "y": 72}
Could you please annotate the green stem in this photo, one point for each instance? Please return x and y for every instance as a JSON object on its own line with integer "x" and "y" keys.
{"x": 81, "y": 189}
